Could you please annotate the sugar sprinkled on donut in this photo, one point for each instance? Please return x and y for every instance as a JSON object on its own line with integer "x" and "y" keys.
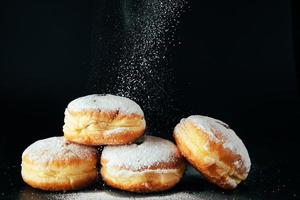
{"x": 57, "y": 148}
{"x": 107, "y": 103}
{"x": 220, "y": 132}
{"x": 150, "y": 152}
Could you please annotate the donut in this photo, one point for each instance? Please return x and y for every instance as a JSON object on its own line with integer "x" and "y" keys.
{"x": 153, "y": 165}
{"x": 103, "y": 120}
{"x": 55, "y": 164}
{"x": 213, "y": 149}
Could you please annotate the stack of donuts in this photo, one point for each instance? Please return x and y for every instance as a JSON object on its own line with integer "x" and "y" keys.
{"x": 131, "y": 160}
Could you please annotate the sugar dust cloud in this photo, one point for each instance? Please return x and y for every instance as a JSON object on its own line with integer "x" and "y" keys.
{"x": 143, "y": 33}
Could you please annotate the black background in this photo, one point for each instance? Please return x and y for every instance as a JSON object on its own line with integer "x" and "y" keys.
{"x": 236, "y": 62}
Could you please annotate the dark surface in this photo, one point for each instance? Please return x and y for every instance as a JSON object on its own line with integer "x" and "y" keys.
{"x": 235, "y": 62}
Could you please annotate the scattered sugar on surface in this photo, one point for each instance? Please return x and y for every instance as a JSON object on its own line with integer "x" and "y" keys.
{"x": 106, "y": 102}
{"x": 220, "y": 132}
{"x": 134, "y": 157}
{"x": 57, "y": 148}
{"x": 112, "y": 196}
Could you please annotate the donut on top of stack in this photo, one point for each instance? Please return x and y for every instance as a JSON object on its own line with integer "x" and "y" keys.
{"x": 103, "y": 120}
{"x": 213, "y": 149}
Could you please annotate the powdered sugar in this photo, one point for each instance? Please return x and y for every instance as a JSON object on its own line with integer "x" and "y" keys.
{"x": 115, "y": 131}
{"x": 57, "y": 148}
{"x": 133, "y": 173}
{"x": 134, "y": 157}
{"x": 220, "y": 132}
{"x": 107, "y": 103}
{"x": 110, "y": 195}
{"x": 135, "y": 58}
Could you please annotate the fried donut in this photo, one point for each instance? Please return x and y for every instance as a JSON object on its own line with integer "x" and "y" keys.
{"x": 103, "y": 120}
{"x": 213, "y": 149}
{"x": 55, "y": 164}
{"x": 151, "y": 166}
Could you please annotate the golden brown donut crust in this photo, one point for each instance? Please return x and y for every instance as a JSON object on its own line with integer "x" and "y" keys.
{"x": 215, "y": 162}
{"x": 90, "y": 127}
{"x": 55, "y": 164}
{"x": 151, "y": 166}
{"x": 59, "y": 175}
{"x": 147, "y": 180}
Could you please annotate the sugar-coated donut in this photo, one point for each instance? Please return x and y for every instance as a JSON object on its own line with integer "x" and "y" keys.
{"x": 153, "y": 165}
{"x": 103, "y": 120}
{"x": 56, "y": 164}
{"x": 213, "y": 149}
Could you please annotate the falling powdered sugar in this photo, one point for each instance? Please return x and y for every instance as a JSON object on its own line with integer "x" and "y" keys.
{"x": 140, "y": 67}
{"x": 150, "y": 152}
{"x": 150, "y": 29}
{"x": 57, "y": 148}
